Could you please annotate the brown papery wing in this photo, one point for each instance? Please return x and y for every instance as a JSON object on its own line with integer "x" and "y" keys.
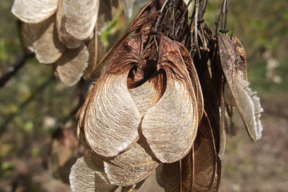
{"x": 169, "y": 177}
{"x": 34, "y": 11}
{"x": 70, "y": 67}
{"x": 87, "y": 175}
{"x": 194, "y": 78}
{"x": 112, "y": 119}
{"x": 144, "y": 97}
{"x": 131, "y": 166}
{"x": 205, "y": 158}
{"x": 170, "y": 126}
{"x": 80, "y": 17}
{"x": 42, "y": 39}
{"x": 246, "y": 101}
{"x": 65, "y": 37}
{"x": 133, "y": 188}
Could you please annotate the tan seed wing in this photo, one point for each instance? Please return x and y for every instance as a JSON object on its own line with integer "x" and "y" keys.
{"x": 80, "y": 17}
{"x": 70, "y": 67}
{"x": 205, "y": 158}
{"x": 65, "y": 37}
{"x": 246, "y": 101}
{"x": 87, "y": 175}
{"x": 170, "y": 126}
{"x": 34, "y": 11}
{"x": 42, "y": 39}
{"x": 222, "y": 145}
{"x": 111, "y": 119}
{"x": 188, "y": 171}
{"x": 131, "y": 166}
{"x": 250, "y": 108}
{"x": 144, "y": 97}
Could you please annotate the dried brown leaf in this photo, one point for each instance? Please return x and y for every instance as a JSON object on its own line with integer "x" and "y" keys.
{"x": 169, "y": 176}
{"x": 34, "y": 11}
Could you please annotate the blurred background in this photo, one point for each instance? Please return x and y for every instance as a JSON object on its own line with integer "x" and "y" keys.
{"x": 37, "y": 111}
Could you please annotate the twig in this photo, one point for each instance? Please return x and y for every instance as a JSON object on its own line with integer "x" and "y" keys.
{"x": 21, "y": 61}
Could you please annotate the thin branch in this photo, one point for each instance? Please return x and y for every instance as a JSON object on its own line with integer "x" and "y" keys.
{"x": 20, "y": 62}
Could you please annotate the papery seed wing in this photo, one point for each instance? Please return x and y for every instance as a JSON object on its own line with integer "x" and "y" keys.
{"x": 136, "y": 24}
{"x": 65, "y": 37}
{"x": 34, "y": 11}
{"x": 188, "y": 171}
{"x": 169, "y": 176}
{"x": 131, "y": 166}
{"x": 222, "y": 126}
{"x": 170, "y": 126}
{"x": 80, "y": 17}
{"x": 246, "y": 101}
{"x": 249, "y": 108}
{"x": 111, "y": 119}
{"x": 70, "y": 67}
{"x": 205, "y": 158}
{"x": 42, "y": 39}
{"x": 194, "y": 78}
{"x": 133, "y": 188}
{"x": 87, "y": 175}
{"x": 241, "y": 60}
{"x": 144, "y": 97}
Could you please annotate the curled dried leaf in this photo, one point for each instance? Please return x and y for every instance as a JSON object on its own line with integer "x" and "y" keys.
{"x": 34, "y": 11}
{"x": 41, "y": 38}
{"x": 87, "y": 175}
{"x": 70, "y": 67}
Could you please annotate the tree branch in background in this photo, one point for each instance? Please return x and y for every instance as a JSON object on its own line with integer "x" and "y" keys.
{"x": 35, "y": 93}
{"x": 21, "y": 61}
